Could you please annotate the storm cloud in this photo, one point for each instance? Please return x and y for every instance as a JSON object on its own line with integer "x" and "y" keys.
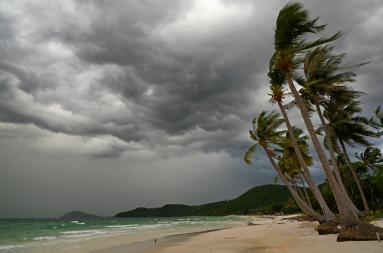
{"x": 147, "y": 93}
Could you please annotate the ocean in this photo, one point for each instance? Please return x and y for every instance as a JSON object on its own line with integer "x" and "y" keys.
{"x": 16, "y": 235}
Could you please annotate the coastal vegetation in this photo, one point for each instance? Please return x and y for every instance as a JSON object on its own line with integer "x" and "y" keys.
{"x": 265, "y": 199}
{"x": 306, "y": 74}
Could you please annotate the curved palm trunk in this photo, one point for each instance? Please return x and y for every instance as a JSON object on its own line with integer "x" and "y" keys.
{"x": 333, "y": 160}
{"x": 305, "y": 191}
{"x": 353, "y": 172}
{"x": 347, "y": 215}
{"x": 300, "y": 202}
{"x": 328, "y": 214}
{"x": 297, "y": 189}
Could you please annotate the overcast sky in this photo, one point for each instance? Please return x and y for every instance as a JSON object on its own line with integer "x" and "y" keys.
{"x": 110, "y": 105}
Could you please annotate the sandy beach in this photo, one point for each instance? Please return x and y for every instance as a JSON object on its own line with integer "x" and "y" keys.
{"x": 271, "y": 234}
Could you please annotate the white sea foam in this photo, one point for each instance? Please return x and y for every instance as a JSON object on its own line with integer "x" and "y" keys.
{"x": 123, "y": 226}
{"x": 82, "y": 233}
{"x": 7, "y": 247}
{"x": 77, "y": 222}
{"x": 44, "y": 238}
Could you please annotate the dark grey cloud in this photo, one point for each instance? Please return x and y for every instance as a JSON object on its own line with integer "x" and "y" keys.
{"x": 135, "y": 83}
{"x": 172, "y": 86}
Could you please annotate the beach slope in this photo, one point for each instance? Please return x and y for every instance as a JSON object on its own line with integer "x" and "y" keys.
{"x": 269, "y": 235}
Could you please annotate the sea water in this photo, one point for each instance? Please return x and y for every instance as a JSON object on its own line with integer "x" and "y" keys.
{"x": 16, "y": 234}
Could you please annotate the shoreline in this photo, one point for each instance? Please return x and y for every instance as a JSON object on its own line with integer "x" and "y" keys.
{"x": 268, "y": 234}
{"x": 150, "y": 245}
{"x": 117, "y": 241}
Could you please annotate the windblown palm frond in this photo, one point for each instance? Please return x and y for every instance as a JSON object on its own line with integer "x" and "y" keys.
{"x": 293, "y": 24}
{"x": 266, "y": 133}
{"x": 372, "y": 157}
{"x": 288, "y": 162}
{"x": 340, "y": 112}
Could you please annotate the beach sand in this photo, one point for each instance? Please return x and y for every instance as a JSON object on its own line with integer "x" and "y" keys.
{"x": 272, "y": 234}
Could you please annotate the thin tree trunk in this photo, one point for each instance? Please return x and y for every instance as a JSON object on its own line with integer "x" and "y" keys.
{"x": 309, "y": 201}
{"x": 305, "y": 191}
{"x": 300, "y": 202}
{"x": 353, "y": 172}
{"x": 347, "y": 216}
{"x": 333, "y": 159}
{"x": 328, "y": 214}
{"x": 298, "y": 190}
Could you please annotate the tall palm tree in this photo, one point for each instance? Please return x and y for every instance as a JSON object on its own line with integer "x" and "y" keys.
{"x": 293, "y": 23}
{"x": 267, "y": 135}
{"x": 277, "y": 95}
{"x": 322, "y": 77}
{"x": 348, "y": 128}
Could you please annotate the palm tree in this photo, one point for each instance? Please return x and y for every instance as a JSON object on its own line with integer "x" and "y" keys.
{"x": 277, "y": 94}
{"x": 289, "y": 164}
{"x": 293, "y": 23}
{"x": 372, "y": 158}
{"x": 348, "y": 128}
{"x": 267, "y": 135}
{"x": 322, "y": 77}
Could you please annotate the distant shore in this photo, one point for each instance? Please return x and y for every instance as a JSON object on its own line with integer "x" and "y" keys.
{"x": 268, "y": 234}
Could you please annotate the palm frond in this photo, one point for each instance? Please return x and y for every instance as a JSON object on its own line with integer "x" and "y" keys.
{"x": 249, "y": 153}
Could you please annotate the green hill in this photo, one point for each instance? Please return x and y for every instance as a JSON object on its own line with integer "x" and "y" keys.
{"x": 260, "y": 199}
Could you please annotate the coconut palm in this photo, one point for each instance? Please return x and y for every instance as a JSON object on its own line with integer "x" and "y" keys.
{"x": 372, "y": 158}
{"x": 347, "y": 128}
{"x": 293, "y": 23}
{"x": 278, "y": 93}
{"x": 289, "y": 164}
{"x": 267, "y": 135}
{"x": 322, "y": 78}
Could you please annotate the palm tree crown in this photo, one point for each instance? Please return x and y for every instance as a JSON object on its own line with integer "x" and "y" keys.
{"x": 265, "y": 132}
{"x": 321, "y": 74}
{"x": 293, "y": 23}
{"x": 340, "y": 112}
{"x": 288, "y": 162}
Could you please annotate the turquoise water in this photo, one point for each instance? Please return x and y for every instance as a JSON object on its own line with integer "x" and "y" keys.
{"x": 15, "y": 232}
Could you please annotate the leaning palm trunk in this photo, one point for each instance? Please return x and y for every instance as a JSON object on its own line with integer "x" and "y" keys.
{"x": 353, "y": 172}
{"x": 305, "y": 191}
{"x": 333, "y": 160}
{"x": 328, "y": 214}
{"x": 300, "y": 202}
{"x": 347, "y": 215}
{"x": 297, "y": 189}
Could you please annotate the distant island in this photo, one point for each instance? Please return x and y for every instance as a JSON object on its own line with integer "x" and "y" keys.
{"x": 265, "y": 199}
{"x": 79, "y": 216}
